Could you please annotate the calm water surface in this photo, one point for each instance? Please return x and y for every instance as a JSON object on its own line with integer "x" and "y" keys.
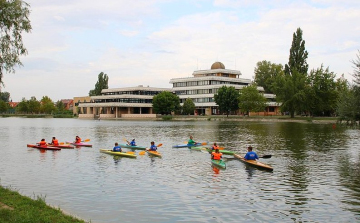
{"x": 316, "y": 173}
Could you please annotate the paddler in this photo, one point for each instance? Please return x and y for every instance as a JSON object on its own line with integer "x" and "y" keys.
{"x": 42, "y": 142}
{"x": 191, "y": 141}
{"x": 250, "y": 155}
{"x": 216, "y": 155}
{"x": 214, "y": 147}
{"x": 133, "y": 143}
{"x": 54, "y": 141}
{"x": 117, "y": 148}
{"x": 152, "y": 147}
{"x": 77, "y": 139}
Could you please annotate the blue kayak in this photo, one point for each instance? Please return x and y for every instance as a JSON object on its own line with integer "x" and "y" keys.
{"x": 187, "y": 145}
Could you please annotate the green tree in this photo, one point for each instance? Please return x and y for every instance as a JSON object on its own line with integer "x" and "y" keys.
{"x": 34, "y": 105}
{"x": 165, "y": 103}
{"x": 251, "y": 100}
{"x": 101, "y": 84}
{"x": 227, "y": 98}
{"x": 60, "y": 106}
{"x": 4, "y": 106}
{"x": 5, "y": 96}
{"x": 14, "y": 19}
{"x": 356, "y": 67}
{"x": 322, "y": 92}
{"x": 290, "y": 88}
{"x": 266, "y": 73}
{"x": 188, "y": 107}
{"x": 47, "y": 105}
{"x": 347, "y": 106}
{"x": 23, "y": 106}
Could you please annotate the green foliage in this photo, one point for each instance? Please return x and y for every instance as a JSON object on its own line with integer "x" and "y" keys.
{"x": 5, "y": 96}
{"x": 14, "y": 19}
{"x": 356, "y": 66}
{"x": 251, "y": 100}
{"x": 188, "y": 107}
{"x": 101, "y": 84}
{"x": 4, "y": 106}
{"x": 165, "y": 103}
{"x": 227, "y": 98}
{"x": 60, "y": 106}
{"x": 266, "y": 73}
{"x": 322, "y": 92}
{"x": 34, "y": 105}
{"x": 47, "y": 105}
{"x": 167, "y": 117}
{"x": 348, "y": 105}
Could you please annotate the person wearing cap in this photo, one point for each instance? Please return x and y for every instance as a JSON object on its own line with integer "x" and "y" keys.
{"x": 250, "y": 155}
{"x": 133, "y": 143}
{"x": 216, "y": 155}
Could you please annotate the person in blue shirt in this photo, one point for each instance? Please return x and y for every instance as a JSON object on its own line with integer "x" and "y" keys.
{"x": 117, "y": 148}
{"x": 133, "y": 143}
{"x": 152, "y": 147}
{"x": 251, "y": 155}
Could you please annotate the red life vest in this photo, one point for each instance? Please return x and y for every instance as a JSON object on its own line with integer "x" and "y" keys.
{"x": 42, "y": 143}
{"x": 216, "y": 156}
{"x": 55, "y": 142}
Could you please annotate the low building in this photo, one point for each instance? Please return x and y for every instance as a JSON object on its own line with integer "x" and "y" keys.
{"x": 129, "y": 102}
{"x": 204, "y": 84}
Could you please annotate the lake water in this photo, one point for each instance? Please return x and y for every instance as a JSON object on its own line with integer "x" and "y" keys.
{"x": 316, "y": 173}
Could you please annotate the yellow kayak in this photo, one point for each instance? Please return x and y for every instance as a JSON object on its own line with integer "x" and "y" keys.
{"x": 125, "y": 154}
{"x": 254, "y": 163}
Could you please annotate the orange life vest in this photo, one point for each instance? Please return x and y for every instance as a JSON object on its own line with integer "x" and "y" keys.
{"x": 78, "y": 140}
{"x": 216, "y": 156}
{"x": 215, "y": 147}
{"x": 42, "y": 143}
{"x": 55, "y": 142}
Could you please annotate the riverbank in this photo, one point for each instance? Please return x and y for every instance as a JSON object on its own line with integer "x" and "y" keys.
{"x": 17, "y": 208}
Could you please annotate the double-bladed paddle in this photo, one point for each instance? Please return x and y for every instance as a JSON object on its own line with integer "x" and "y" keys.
{"x": 143, "y": 152}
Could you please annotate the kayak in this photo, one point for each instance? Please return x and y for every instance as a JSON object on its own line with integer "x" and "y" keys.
{"x": 254, "y": 163}
{"x": 154, "y": 153}
{"x": 43, "y": 147}
{"x": 132, "y": 147}
{"x": 219, "y": 163}
{"x": 65, "y": 146}
{"x": 226, "y": 152}
{"x": 80, "y": 144}
{"x": 125, "y": 154}
{"x": 187, "y": 145}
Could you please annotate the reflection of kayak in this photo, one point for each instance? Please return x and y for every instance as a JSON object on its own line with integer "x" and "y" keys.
{"x": 125, "y": 154}
{"x": 65, "y": 146}
{"x": 187, "y": 145}
{"x": 43, "y": 147}
{"x": 219, "y": 163}
{"x": 226, "y": 152}
{"x": 132, "y": 147}
{"x": 80, "y": 144}
{"x": 254, "y": 163}
{"x": 154, "y": 153}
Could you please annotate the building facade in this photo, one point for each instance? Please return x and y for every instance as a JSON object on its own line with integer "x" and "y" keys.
{"x": 204, "y": 84}
{"x": 129, "y": 102}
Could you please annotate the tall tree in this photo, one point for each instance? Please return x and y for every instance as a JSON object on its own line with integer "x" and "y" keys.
{"x": 227, "y": 98}
{"x": 165, "y": 103}
{"x": 3, "y": 106}
{"x": 34, "y": 105}
{"x": 356, "y": 67}
{"x": 60, "y": 106}
{"x": 47, "y": 105}
{"x": 14, "y": 19}
{"x": 23, "y": 106}
{"x": 266, "y": 73}
{"x": 5, "y": 96}
{"x": 291, "y": 87}
{"x": 251, "y": 100}
{"x": 101, "y": 84}
{"x": 188, "y": 107}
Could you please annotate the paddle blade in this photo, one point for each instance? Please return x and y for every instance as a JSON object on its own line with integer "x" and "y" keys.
{"x": 221, "y": 148}
{"x": 159, "y": 145}
{"x": 266, "y": 156}
{"x": 204, "y": 143}
{"x": 142, "y": 153}
{"x": 62, "y": 143}
{"x": 130, "y": 152}
{"x": 86, "y": 140}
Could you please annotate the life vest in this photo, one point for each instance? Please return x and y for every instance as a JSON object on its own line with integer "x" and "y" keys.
{"x": 42, "y": 143}
{"x": 216, "y": 156}
{"x": 55, "y": 142}
{"x": 78, "y": 140}
{"x": 215, "y": 147}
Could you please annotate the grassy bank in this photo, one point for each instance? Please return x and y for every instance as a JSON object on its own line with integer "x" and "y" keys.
{"x": 17, "y": 208}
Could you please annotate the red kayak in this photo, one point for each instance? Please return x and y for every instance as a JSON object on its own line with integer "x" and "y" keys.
{"x": 43, "y": 147}
{"x": 64, "y": 146}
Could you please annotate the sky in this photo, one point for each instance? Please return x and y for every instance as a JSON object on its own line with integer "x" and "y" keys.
{"x": 149, "y": 42}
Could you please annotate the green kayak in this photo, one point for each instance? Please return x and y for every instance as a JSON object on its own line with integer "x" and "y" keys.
{"x": 226, "y": 152}
{"x": 219, "y": 163}
{"x": 132, "y": 147}
{"x": 125, "y": 154}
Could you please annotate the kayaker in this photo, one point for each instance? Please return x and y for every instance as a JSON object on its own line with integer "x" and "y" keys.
{"x": 250, "y": 155}
{"x": 152, "y": 147}
{"x": 117, "y": 148}
{"x": 191, "y": 141}
{"x": 77, "y": 139}
{"x": 216, "y": 155}
{"x": 54, "y": 141}
{"x": 42, "y": 142}
{"x": 215, "y": 146}
{"x": 133, "y": 143}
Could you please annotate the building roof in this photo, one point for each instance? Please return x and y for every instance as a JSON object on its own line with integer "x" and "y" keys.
{"x": 217, "y": 65}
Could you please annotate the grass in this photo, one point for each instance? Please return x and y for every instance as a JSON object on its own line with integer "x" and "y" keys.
{"x": 16, "y": 208}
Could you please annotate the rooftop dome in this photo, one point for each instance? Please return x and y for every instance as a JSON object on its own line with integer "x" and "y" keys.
{"x": 217, "y": 65}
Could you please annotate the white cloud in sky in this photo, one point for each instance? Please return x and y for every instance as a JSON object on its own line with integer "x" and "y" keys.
{"x": 150, "y": 42}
